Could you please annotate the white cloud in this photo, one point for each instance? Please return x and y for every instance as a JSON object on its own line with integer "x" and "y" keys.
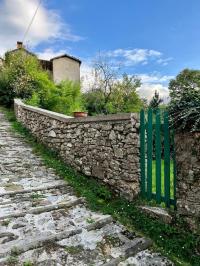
{"x": 154, "y": 78}
{"x": 87, "y": 76}
{"x": 147, "y": 91}
{"x": 15, "y": 16}
{"x": 131, "y": 57}
{"x": 49, "y": 53}
{"x": 164, "y": 61}
{"x": 154, "y": 82}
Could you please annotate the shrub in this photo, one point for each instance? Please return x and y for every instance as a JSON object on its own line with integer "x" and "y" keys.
{"x": 94, "y": 101}
{"x": 20, "y": 76}
{"x": 6, "y": 91}
{"x": 69, "y": 97}
{"x": 64, "y": 98}
{"x": 122, "y": 96}
{"x": 185, "y": 100}
{"x": 45, "y": 94}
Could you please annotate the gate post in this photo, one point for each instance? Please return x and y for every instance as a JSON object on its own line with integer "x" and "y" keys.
{"x": 188, "y": 177}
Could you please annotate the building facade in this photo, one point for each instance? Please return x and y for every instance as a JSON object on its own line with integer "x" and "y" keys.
{"x": 63, "y": 67}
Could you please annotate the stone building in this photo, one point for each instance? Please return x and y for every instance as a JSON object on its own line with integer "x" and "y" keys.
{"x": 63, "y": 67}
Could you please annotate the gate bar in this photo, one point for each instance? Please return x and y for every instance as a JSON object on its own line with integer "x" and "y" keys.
{"x": 158, "y": 156}
{"x": 142, "y": 152}
{"x": 149, "y": 153}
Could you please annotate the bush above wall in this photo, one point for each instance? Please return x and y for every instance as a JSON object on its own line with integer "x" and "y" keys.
{"x": 64, "y": 98}
{"x": 19, "y": 77}
{"x": 185, "y": 100}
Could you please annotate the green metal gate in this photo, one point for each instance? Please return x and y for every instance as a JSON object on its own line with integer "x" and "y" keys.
{"x": 157, "y": 157}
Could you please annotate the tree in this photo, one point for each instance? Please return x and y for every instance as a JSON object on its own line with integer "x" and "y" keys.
{"x": 184, "y": 106}
{"x": 105, "y": 78}
{"x": 111, "y": 93}
{"x": 21, "y": 76}
{"x": 124, "y": 97}
{"x": 155, "y": 101}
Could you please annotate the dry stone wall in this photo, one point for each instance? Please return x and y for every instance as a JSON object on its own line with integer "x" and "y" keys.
{"x": 188, "y": 177}
{"x": 105, "y": 147}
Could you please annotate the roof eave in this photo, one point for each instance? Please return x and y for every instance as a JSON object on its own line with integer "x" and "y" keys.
{"x": 68, "y": 56}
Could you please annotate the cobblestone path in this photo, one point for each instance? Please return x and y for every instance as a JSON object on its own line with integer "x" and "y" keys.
{"x": 42, "y": 222}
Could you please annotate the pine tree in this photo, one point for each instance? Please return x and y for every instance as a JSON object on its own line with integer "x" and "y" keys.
{"x": 155, "y": 101}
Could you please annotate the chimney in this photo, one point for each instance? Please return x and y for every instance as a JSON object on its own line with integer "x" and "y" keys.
{"x": 19, "y": 45}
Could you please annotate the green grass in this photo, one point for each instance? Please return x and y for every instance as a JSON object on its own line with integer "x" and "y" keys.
{"x": 162, "y": 178}
{"x": 175, "y": 241}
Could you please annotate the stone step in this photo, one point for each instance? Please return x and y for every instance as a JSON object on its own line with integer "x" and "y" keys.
{"x": 19, "y": 163}
{"x": 104, "y": 244}
{"x": 146, "y": 258}
{"x": 51, "y": 222}
{"x": 11, "y": 143}
{"x": 34, "y": 170}
{"x": 130, "y": 249}
{"x": 63, "y": 187}
{"x": 16, "y": 156}
{"x": 19, "y": 149}
{"x": 8, "y": 156}
{"x": 8, "y": 187}
{"x": 33, "y": 230}
{"x": 158, "y": 213}
{"x": 11, "y": 204}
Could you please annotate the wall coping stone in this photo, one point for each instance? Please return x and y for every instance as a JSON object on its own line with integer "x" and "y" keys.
{"x": 70, "y": 119}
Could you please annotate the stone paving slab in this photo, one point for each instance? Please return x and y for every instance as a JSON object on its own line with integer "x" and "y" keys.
{"x": 146, "y": 258}
{"x": 42, "y": 221}
{"x": 10, "y": 204}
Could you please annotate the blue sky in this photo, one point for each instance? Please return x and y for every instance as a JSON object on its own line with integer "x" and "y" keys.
{"x": 152, "y": 38}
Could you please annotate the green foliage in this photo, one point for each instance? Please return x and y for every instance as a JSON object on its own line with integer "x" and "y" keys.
{"x": 34, "y": 100}
{"x": 163, "y": 177}
{"x": 6, "y": 91}
{"x": 155, "y": 101}
{"x": 73, "y": 250}
{"x": 185, "y": 100}
{"x": 12, "y": 261}
{"x": 69, "y": 97}
{"x": 28, "y": 263}
{"x": 124, "y": 98}
{"x": 121, "y": 98}
{"x": 90, "y": 220}
{"x": 37, "y": 196}
{"x": 95, "y": 102}
{"x": 63, "y": 98}
{"x": 20, "y": 76}
{"x": 5, "y": 222}
{"x": 174, "y": 240}
{"x": 15, "y": 251}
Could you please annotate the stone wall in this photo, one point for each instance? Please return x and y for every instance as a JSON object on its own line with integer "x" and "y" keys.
{"x": 105, "y": 147}
{"x": 188, "y": 176}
